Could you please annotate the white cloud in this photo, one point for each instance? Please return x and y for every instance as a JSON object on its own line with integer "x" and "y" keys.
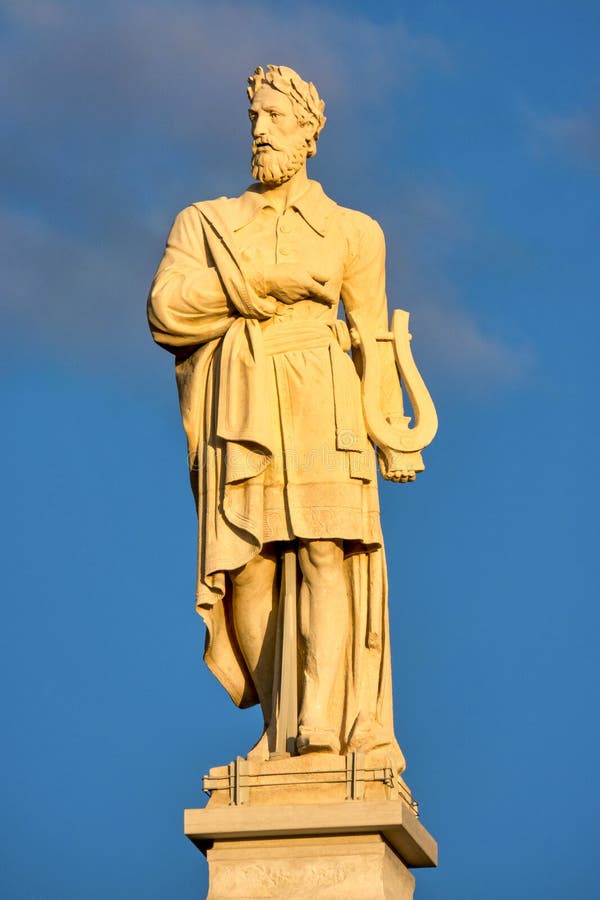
{"x": 427, "y": 227}
{"x": 34, "y": 13}
{"x": 119, "y": 113}
{"x": 164, "y": 55}
{"x": 460, "y": 346}
{"x": 81, "y": 296}
{"x": 576, "y": 134}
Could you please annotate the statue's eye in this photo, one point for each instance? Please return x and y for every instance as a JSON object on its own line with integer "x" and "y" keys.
{"x": 274, "y": 115}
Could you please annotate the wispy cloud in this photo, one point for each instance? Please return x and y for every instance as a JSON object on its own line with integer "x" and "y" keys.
{"x": 118, "y": 118}
{"x": 133, "y": 103}
{"x": 429, "y": 228}
{"x": 575, "y": 135}
{"x": 174, "y": 64}
{"x": 77, "y": 298}
{"x": 461, "y": 346}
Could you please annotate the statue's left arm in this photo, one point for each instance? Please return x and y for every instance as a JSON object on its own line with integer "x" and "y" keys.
{"x": 363, "y": 290}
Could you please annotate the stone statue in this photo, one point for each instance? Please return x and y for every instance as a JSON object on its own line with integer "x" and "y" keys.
{"x": 285, "y": 429}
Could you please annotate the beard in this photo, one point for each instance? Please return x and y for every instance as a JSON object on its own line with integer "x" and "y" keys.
{"x": 274, "y": 167}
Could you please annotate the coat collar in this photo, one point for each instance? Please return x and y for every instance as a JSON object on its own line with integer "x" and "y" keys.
{"x": 315, "y": 207}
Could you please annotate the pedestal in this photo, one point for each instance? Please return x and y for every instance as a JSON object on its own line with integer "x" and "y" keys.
{"x": 352, "y": 867}
{"x": 356, "y": 849}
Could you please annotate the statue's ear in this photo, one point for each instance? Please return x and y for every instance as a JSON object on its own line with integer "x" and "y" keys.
{"x": 311, "y": 146}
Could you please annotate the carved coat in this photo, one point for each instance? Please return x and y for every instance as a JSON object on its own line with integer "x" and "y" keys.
{"x": 271, "y": 406}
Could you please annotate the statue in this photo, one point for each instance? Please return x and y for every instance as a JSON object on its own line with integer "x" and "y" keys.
{"x": 285, "y": 429}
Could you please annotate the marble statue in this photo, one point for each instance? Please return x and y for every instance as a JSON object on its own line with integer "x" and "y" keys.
{"x": 286, "y": 430}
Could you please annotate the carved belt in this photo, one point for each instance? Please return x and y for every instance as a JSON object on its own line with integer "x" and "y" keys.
{"x": 284, "y": 336}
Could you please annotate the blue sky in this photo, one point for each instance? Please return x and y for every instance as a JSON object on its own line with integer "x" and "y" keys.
{"x": 471, "y": 131}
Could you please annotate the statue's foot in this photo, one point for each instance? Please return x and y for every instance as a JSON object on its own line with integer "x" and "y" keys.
{"x": 260, "y": 751}
{"x": 316, "y": 740}
{"x": 369, "y": 737}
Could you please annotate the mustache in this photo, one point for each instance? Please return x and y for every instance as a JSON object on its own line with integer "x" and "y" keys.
{"x": 257, "y": 146}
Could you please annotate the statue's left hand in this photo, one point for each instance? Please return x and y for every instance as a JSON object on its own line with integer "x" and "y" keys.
{"x": 394, "y": 466}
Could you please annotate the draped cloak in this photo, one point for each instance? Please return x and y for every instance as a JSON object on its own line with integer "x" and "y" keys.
{"x": 228, "y": 346}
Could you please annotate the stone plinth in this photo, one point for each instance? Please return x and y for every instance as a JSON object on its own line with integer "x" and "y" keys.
{"x": 358, "y": 849}
{"x": 353, "y": 867}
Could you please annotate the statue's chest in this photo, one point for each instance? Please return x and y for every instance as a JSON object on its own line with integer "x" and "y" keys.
{"x": 288, "y": 238}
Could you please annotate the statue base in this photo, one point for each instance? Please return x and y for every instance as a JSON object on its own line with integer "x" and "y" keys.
{"x": 260, "y": 845}
{"x": 313, "y": 778}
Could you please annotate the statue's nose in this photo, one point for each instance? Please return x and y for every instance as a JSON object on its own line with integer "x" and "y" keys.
{"x": 259, "y": 126}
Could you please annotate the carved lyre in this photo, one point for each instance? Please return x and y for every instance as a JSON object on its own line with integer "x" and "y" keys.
{"x": 393, "y": 434}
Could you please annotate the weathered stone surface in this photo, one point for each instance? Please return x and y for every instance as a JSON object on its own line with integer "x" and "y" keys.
{"x": 286, "y": 432}
{"x": 326, "y": 868}
{"x": 312, "y": 778}
{"x": 393, "y": 820}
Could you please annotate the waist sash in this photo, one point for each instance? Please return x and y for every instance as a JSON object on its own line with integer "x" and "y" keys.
{"x": 283, "y": 336}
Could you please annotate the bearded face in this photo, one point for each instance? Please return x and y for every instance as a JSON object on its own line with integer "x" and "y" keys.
{"x": 273, "y": 166}
{"x": 279, "y": 142}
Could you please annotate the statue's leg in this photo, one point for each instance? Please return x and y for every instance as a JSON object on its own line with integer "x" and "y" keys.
{"x": 324, "y": 616}
{"x": 255, "y": 603}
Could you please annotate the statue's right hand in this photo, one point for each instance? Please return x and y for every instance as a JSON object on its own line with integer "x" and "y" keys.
{"x": 289, "y": 282}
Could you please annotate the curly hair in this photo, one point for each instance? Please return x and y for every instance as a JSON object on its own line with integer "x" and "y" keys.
{"x": 306, "y": 103}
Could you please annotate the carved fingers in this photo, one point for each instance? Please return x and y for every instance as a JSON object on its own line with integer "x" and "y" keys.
{"x": 323, "y": 291}
{"x": 401, "y": 475}
{"x": 289, "y": 282}
{"x": 393, "y": 467}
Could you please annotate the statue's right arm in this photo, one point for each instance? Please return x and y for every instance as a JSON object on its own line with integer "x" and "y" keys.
{"x": 187, "y": 304}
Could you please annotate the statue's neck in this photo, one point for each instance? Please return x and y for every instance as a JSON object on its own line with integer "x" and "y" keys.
{"x": 285, "y": 194}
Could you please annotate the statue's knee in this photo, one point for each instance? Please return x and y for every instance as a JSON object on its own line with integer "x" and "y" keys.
{"x": 257, "y": 572}
{"x": 322, "y": 561}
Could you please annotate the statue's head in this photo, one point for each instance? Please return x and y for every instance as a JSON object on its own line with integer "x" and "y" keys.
{"x": 287, "y": 116}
